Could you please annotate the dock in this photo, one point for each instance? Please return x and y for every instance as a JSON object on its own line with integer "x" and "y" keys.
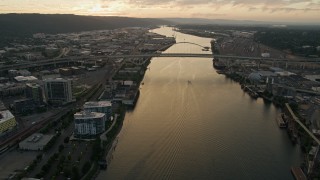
{"x": 298, "y": 173}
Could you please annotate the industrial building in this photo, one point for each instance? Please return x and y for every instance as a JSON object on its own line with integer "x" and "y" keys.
{"x": 89, "y": 124}
{"x": 35, "y": 142}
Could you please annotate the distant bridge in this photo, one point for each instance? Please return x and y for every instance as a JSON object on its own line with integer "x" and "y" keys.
{"x": 126, "y": 57}
{"x": 183, "y": 42}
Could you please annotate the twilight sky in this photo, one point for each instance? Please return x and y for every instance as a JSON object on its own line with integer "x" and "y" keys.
{"x": 265, "y": 10}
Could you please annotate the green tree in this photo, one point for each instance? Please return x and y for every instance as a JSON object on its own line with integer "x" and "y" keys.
{"x": 66, "y": 139}
{"x": 86, "y": 167}
{"x": 75, "y": 172}
{"x": 61, "y": 147}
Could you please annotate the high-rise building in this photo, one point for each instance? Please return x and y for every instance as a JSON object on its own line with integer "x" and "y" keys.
{"x": 89, "y": 124}
{"x": 99, "y": 106}
{"x": 7, "y": 121}
{"x": 34, "y": 92}
{"x": 58, "y": 91}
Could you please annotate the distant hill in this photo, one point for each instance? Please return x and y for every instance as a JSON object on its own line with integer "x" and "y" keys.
{"x": 234, "y": 22}
{"x": 27, "y": 24}
{"x": 213, "y": 21}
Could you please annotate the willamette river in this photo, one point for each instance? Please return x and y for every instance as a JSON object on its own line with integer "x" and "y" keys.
{"x": 209, "y": 129}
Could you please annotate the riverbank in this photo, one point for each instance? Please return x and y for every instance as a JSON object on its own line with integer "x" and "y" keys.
{"x": 106, "y": 144}
{"x": 109, "y": 142}
{"x": 296, "y": 130}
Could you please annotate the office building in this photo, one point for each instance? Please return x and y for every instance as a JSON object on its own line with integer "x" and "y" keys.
{"x": 23, "y": 106}
{"x": 34, "y": 92}
{"x": 58, "y": 91}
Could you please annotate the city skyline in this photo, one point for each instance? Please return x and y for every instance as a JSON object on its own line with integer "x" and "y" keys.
{"x": 305, "y": 11}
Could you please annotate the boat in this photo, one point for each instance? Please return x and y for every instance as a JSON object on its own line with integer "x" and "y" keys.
{"x": 189, "y": 82}
{"x": 280, "y": 121}
{"x": 205, "y": 49}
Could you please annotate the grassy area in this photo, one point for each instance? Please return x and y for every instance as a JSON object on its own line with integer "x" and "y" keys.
{"x": 78, "y": 91}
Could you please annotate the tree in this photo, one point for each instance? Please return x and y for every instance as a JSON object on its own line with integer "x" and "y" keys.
{"x": 45, "y": 168}
{"x": 86, "y": 167}
{"x": 66, "y": 139}
{"x": 67, "y": 172}
{"x": 39, "y": 157}
{"x": 75, "y": 172}
{"x": 61, "y": 147}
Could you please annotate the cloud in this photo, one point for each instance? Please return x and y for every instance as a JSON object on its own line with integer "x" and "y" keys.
{"x": 283, "y": 5}
{"x": 207, "y": 15}
{"x": 284, "y": 9}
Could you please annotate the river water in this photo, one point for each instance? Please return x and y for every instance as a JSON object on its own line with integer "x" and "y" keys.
{"x": 206, "y": 129}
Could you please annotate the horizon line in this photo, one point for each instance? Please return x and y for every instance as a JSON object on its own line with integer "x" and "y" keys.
{"x": 260, "y": 22}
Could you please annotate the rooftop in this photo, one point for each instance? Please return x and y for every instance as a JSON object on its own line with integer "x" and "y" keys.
{"x": 35, "y": 140}
{"x": 97, "y": 104}
{"x": 86, "y": 115}
{"x": 5, "y": 116}
{"x": 33, "y": 85}
{"x": 25, "y": 78}
{"x": 56, "y": 80}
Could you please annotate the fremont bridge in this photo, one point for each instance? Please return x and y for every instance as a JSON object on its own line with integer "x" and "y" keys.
{"x": 130, "y": 58}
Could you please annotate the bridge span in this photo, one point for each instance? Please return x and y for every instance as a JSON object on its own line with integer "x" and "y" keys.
{"x": 126, "y": 57}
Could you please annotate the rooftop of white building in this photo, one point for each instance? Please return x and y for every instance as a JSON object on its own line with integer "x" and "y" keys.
{"x": 25, "y": 78}
{"x": 97, "y": 104}
{"x": 56, "y": 80}
{"x": 5, "y": 116}
{"x": 35, "y": 140}
{"x": 86, "y": 115}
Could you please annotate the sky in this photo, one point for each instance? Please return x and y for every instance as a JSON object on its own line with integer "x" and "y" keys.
{"x": 261, "y": 10}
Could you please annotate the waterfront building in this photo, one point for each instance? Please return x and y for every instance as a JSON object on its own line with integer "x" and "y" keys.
{"x": 89, "y": 124}
{"x": 99, "y": 106}
{"x": 58, "y": 91}
{"x": 35, "y": 92}
{"x": 7, "y": 121}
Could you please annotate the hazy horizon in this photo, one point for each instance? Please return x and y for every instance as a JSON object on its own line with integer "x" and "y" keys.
{"x": 297, "y": 11}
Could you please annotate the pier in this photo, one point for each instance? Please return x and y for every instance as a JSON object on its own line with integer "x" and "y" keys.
{"x": 298, "y": 173}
